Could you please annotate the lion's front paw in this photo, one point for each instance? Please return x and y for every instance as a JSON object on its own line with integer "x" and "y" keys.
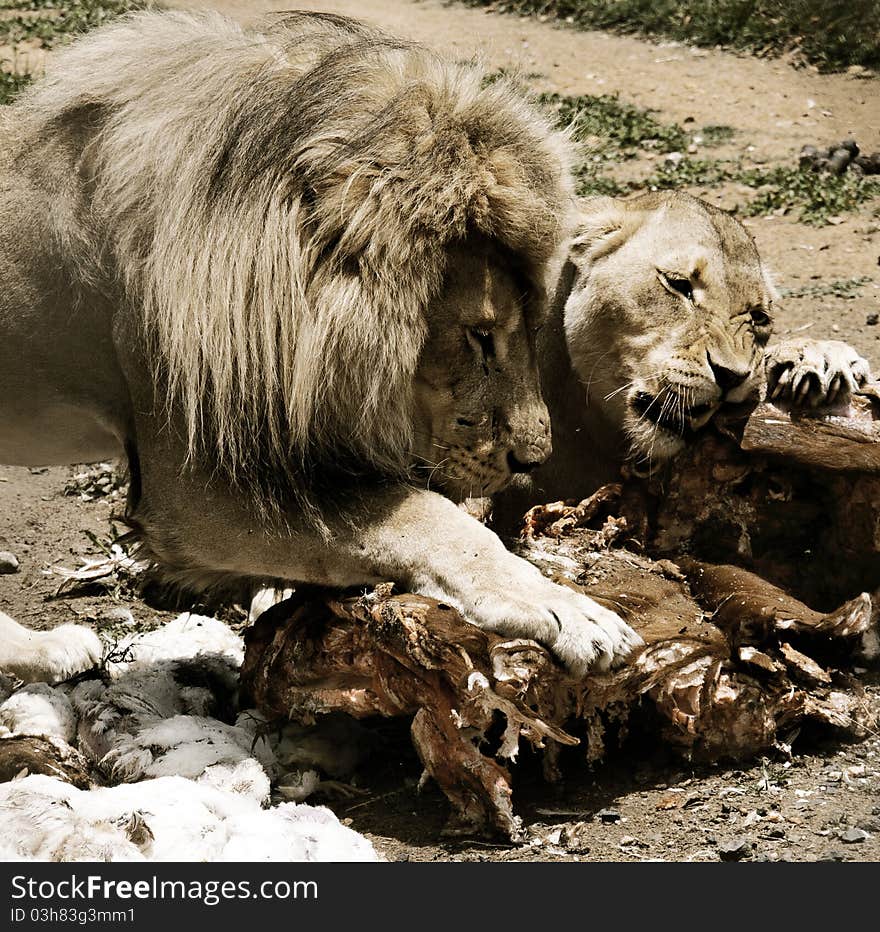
{"x": 580, "y": 632}
{"x": 57, "y": 655}
{"x": 813, "y": 373}
{"x": 591, "y": 636}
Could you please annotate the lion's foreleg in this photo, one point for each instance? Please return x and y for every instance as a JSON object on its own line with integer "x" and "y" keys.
{"x": 46, "y": 656}
{"x": 417, "y": 539}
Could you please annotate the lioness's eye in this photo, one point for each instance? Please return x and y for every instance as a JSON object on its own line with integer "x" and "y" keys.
{"x": 682, "y": 286}
{"x": 760, "y": 318}
{"x": 484, "y": 340}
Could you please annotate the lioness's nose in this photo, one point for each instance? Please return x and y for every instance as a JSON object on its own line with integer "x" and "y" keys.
{"x": 725, "y": 378}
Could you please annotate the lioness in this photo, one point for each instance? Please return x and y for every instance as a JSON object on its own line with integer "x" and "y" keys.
{"x": 294, "y": 274}
{"x": 663, "y": 311}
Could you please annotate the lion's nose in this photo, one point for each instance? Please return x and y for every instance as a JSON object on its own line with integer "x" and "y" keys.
{"x": 725, "y": 378}
{"x": 526, "y": 457}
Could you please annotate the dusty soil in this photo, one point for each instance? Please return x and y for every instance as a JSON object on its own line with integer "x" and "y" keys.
{"x": 821, "y": 803}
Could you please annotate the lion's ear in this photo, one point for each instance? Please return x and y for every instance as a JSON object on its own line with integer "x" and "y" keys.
{"x": 602, "y": 226}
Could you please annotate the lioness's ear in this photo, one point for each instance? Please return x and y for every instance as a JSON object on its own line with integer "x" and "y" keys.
{"x": 770, "y": 283}
{"x": 601, "y": 227}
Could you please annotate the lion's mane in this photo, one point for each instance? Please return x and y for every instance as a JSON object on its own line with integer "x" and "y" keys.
{"x": 277, "y": 203}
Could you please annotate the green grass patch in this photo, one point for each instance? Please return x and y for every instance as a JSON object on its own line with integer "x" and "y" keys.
{"x": 818, "y": 196}
{"x": 619, "y": 127}
{"x": 831, "y": 34}
{"x": 610, "y": 130}
{"x": 706, "y": 173}
{"x": 839, "y": 288}
{"x": 59, "y": 20}
{"x": 590, "y": 180}
{"x": 716, "y": 135}
{"x": 11, "y": 84}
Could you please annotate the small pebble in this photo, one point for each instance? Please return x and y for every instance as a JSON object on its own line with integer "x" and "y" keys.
{"x": 118, "y": 616}
{"x": 834, "y": 855}
{"x": 608, "y": 816}
{"x": 8, "y": 562}
{"x": 734, "y": 849}
{"x": 872, "y": 319}
{"x": 853, "y": 836}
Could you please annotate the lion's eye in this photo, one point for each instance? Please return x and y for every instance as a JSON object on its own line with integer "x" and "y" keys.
{"x": 484, "y": 341}
{"x": 760, "y": 318}
{"x": 681, "y": 285}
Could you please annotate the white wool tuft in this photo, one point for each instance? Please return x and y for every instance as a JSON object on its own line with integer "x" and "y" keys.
{"x": 182, "y": 746}
{"x": 38, "y": 709}
{"x": 246, "y": 778}
{"x": 167, "y": 819}
{"x": 188, "y": 636}
{"x": 191, "y": 785}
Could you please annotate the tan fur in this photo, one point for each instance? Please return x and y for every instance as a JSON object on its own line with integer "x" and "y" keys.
{"x": 299, "y": 266}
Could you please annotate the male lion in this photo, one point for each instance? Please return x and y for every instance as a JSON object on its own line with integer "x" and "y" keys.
{"x": 294, "y": 274}
{"x": 662, "y": 313}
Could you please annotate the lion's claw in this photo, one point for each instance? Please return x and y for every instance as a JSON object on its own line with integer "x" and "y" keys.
{"x": 814, "y": 373}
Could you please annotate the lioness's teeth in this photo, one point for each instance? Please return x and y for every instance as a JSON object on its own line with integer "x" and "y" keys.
{"x": 695, "y": 423}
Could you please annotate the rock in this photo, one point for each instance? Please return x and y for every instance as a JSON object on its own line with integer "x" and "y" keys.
{"x": 850, "y": 145}
{"x": 674, "y": 159}
{"x": 853, "y": 836}
{"x": 839, "y": 160}
{"x": 118, "y": 615}
{"x": 608, "y": 816}
{"x": 834, "y": 855}
{"x": 870, "y": 164}
{"x": 8, "y": 562}
{"x": 735, "y": 848}
{"x": 872, "y": 319}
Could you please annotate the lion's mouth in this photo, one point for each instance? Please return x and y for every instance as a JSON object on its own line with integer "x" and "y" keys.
{"x": 668, "y": 412}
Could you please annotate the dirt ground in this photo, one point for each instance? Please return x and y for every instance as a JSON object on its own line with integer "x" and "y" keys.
{"x": 822, "y": 803}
